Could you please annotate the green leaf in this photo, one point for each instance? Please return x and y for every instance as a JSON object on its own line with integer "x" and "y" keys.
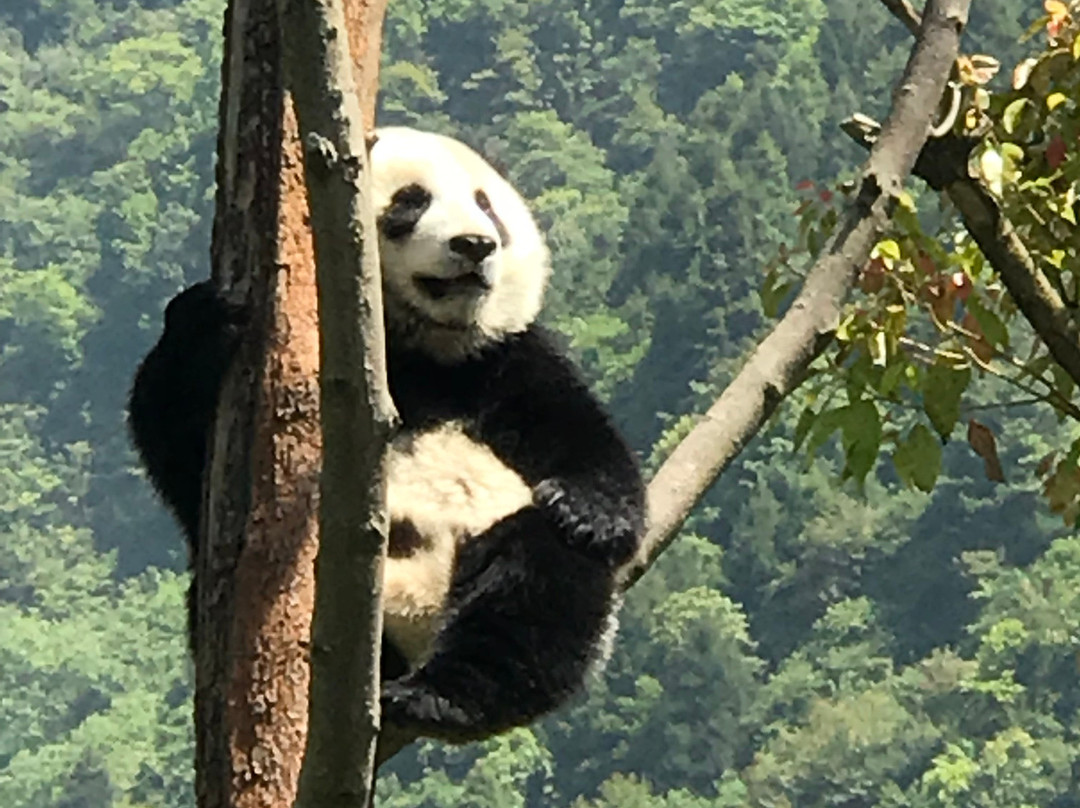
{"x": 992, "y": 327}
{"x": 918, "y": 459}
{"x": 823, "y": 427}
{"x": 1011, "y": 115}
{"x": 992, "y": 169}
{"x": 773, "y": 292}
{"x": 1062, "y": 380}
{"x": 802, "y": 428}
{"x": 770, "y": 301}
{"x": 892, "y": 378}
{"x": 861, "y": 438}
{"x": 887, "y": 248}
{"x": 942, "y": 388}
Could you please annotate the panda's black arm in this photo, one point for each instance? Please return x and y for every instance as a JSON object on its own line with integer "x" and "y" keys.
{"x": 175, "y": 394}
{"x": 546, "y": 423}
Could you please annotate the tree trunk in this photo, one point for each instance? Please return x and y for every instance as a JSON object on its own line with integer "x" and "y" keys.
{"x": 255, "y": 579}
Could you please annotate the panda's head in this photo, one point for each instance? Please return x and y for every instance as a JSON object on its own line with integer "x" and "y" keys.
{"x": 463, "y": 261}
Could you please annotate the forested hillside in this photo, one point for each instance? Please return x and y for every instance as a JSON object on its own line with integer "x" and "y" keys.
{"x": 807, "y": 642}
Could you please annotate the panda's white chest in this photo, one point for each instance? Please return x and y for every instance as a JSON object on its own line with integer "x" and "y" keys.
{"x": 443, "y": 488}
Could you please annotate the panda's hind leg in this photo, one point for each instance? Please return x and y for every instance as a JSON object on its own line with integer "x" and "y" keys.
{"x": 526, "y": 617}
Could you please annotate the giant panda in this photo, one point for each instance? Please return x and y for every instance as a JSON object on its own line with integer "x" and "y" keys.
{"x": 513, "y": 500}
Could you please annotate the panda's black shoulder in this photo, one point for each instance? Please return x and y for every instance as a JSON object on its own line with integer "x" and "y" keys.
{"x": 539, "y": 381}
{"x": 541, "y": 350}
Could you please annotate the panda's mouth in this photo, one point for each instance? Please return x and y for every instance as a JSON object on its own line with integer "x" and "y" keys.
{"x": 473, "y": 283}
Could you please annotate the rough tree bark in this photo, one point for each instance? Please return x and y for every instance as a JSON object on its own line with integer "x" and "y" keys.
{"x": 256, "y": 583}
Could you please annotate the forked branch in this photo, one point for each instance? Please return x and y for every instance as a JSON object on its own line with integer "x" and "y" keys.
{"x": 779, "y": 364}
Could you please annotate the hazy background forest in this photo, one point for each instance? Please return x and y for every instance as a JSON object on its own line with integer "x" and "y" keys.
{"x": 804, "y": 643}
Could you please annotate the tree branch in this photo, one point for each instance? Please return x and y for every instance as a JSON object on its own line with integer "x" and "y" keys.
{"x": 903, "y": 11}
{"x": 356, "y": 410}
{"x": 779, "y": 364}
{"x": 1026, "y": 283}
{"x": 943, "y": 164}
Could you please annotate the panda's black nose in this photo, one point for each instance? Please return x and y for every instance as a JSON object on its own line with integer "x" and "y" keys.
{"x": 475, "y": 248}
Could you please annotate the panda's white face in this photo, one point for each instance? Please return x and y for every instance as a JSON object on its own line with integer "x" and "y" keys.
{"x": 463, "y": 261}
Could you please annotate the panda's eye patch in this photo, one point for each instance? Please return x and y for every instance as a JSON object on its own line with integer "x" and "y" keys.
{"x": 406, "y": 207}
{"x": 411, "y": 196}
{"x": 484, "y": 204}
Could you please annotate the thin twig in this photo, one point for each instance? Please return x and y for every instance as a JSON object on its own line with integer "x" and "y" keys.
{"x": 1053, "y": 396}
{"x": 968, "y": 356}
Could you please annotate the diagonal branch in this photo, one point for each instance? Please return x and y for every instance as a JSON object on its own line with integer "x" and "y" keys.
{"x": 1026, "y": 283}
{"x": 779, "y": 364}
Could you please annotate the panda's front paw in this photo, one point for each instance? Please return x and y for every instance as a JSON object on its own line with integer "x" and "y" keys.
{"x": 594, "y": 525}
{"x": 418, "y": 709}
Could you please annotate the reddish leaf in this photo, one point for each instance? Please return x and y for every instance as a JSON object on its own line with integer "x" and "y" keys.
{"x": 961, "y": 284}
{"x": 941, "y": 296}
{"x": 804, "y": 185}
{"x": 982, "y": 442}
{"x": 978, "y": 68}
{"x": 872, "y": 278}
{"x": 1055, "y": 151}
{"x": 1046, "y": 464}
{"x": 1059, "y": 16}
{"x": 925, "y": 263}
{"x": 979, "y": 345}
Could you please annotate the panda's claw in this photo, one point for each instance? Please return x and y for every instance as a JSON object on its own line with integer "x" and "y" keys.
{"x": 418, "y": 708}
{"x": 593, "y": 528}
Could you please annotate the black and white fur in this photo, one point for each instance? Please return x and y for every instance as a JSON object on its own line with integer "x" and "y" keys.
{"x": 512, "y": 498}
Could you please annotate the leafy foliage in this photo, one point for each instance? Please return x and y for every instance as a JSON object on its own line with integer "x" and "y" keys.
{"x": 935, "y": 321}
{"x": 830, "y": 630}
